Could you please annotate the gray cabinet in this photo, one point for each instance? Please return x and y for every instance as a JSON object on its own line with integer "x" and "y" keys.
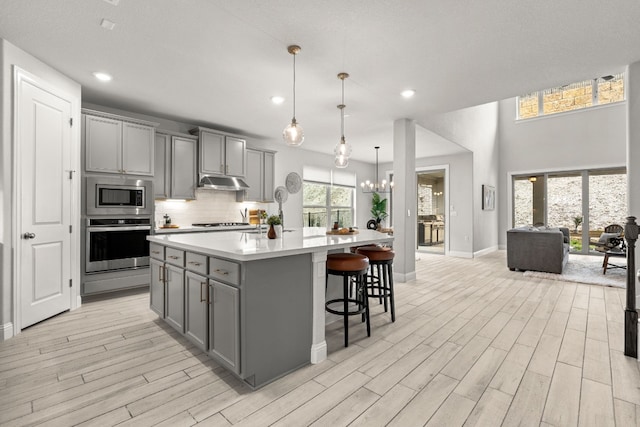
{"x": 196, "y": 300}
{"x": 174, "y": 296}
{"x": 224, "y": 324}
{"x": 175, "y": 166}
{"x": 116, "y": 144}
{"x": 220, "y": 154}
{"x": 260, "y": 177}
{"x": 156, "y": 287}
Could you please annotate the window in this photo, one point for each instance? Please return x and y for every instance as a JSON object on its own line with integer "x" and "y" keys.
{"x": 324, "y": 204}
{"x": 574, "y": 96}
{"x": 327, "y": 197}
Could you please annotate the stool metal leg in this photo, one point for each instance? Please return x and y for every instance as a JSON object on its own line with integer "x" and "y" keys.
{"x": 345, "y": 290}
{"x": 390, "y": 288}
{"x": 365, "y": 296}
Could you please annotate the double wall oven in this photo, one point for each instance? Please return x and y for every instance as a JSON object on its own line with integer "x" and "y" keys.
{"x": 119, "y": 214}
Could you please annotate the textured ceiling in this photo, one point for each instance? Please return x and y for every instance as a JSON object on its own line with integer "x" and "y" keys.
{"x": 217, "y": 63}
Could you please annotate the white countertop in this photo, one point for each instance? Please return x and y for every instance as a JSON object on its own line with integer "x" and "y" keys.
{"x": 200, "y": 229}
{"x": 246, "y": 246}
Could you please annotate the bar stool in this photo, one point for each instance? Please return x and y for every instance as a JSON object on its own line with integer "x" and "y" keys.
{"x": 380, "y": 259}
{"x": 350, "y": 265}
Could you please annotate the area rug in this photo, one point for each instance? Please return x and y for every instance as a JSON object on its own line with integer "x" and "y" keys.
{"x": 588, "y": 269}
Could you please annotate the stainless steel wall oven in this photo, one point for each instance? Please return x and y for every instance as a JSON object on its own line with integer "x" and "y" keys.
{"x": 117, "y": 243}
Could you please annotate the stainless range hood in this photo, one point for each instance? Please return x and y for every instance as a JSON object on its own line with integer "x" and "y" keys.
{"x": 226, "y": 183}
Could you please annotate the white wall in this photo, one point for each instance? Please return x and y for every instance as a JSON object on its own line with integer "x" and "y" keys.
{"x": 11, "y": 56}
{"x": 476, "y": 129}
{"x": 460, "y": 196}
{"x": 589, "y": 138}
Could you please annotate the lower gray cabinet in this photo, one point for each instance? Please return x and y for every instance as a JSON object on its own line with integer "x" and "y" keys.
{"x": 157, "y": 286}
{"x": 174, "y": 297}
{"x": 224, "y": 324}
{"x": 196, "y": 297}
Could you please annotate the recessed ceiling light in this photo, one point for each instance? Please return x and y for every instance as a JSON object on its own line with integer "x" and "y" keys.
{"x": 113, "y": 2}
{"x": 277, "y": 100}
{"x": 107, "y": 24}
{"x": 408, "y": 93}
{"x": 103, "y": 77}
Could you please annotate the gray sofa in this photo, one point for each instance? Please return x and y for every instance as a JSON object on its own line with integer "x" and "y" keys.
{"x": 538, "y": 248}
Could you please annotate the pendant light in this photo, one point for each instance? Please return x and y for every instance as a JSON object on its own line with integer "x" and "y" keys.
{"x": 376, "y": 187}
{"x": 293, "y": 134}
{"x": 343, "y": 149}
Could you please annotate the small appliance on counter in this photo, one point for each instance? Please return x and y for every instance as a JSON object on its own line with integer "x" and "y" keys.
{"x": 167, "y": 222}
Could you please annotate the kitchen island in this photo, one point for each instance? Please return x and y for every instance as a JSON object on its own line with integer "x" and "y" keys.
{"x": 255, "y": 305}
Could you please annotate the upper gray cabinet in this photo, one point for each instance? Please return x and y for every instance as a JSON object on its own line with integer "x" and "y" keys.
{"x": 260, "y": 177}
{"x": 220, "y": 154}
{"x": 116, "y": 144}
{"x": 175, "y": 166}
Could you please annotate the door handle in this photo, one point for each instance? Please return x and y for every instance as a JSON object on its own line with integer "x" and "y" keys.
{"x": 28, "y": 236}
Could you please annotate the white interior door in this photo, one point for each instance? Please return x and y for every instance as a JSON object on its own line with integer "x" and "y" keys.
{"x": 43, "y": 145}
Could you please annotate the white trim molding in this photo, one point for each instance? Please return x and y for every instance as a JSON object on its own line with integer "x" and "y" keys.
{"x": 460, "y": 254}
{"x": 404, "y": 278}
{"x": 485, "y": 251}
{"x": 6, "y": 331}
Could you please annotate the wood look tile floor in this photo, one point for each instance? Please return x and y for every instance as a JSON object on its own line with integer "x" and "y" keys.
{"x": 474, "y": 344}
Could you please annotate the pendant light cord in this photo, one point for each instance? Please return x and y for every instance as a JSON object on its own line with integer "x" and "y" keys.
{"x": 294, "y": 86}
{"x": 342, "y": 114}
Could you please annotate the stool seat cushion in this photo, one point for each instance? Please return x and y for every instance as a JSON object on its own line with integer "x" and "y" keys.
{"x": 376, "y": 253}
{"x": 354, "y": 249}
{"x": 347, "y": 262}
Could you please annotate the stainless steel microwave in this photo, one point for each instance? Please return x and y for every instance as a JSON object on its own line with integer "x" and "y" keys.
{"x": 119, "y": 196}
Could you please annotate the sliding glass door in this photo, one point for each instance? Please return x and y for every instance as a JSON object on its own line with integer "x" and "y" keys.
{"x": 583, "y": 201}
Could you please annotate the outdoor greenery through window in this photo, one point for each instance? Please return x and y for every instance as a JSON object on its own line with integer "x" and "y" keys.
{"x": 574, "y": 96}
{"x": 323, "y": 204}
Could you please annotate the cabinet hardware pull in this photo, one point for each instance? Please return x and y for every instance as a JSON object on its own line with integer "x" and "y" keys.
{"x": 166, "y": 276}
{"x": 222, "y": 167}
{"x": 223, "y": 272}
{"x": 197, "y": 264}
{"x": 173, "y": 257}
{"x": 155, "y": 252}
{"x": 160, "y": 273}
{"x": 210, "y": 294}
{"x": 202, "y": 298}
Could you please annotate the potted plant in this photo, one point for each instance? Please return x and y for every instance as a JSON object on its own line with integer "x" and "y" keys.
{"x": 274, "y": 222}
{"x": 378, "y": 210}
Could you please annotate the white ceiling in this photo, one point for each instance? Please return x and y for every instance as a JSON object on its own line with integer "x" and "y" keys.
{"x": 217, "y": 62}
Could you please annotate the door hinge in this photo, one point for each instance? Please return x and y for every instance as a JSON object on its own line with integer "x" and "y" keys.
{"x": 71, "y": 122}
{"x": 70, "y": 283}
{"x": 71, "y": 229}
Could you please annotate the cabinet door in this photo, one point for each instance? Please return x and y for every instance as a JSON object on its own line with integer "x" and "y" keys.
{"x": 224, "y": 324}
{"x": 174, "y": 294}
{"x": 162, "y": 167}
{"x": 254, "y": 176}
{"x": 137, "y": 149}
{"x": 196, "y": 308}
{"x": 103, "y": 144}
{"x": 183, "y": 168}
{"x": 269, "y": 177}
{"x": 234, "y": 156}
{"x": 156, "y": 287}
{"x": 211, "y": 153}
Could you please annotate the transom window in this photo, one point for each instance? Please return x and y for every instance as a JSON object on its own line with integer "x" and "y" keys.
{"x": 574, "y": 96}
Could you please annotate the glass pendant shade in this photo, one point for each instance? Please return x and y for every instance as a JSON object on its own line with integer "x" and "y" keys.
{"x": 342, "y": 152}
{"x": 293, "y": 134}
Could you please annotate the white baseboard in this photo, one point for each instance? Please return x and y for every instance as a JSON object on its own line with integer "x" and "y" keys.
{"x": 502, "y": 247}
{"x": 485, "y": 251}
{"x": 403, "y": 278}
{"x": 460, "y": 254}
{"x": 6, "y": 331}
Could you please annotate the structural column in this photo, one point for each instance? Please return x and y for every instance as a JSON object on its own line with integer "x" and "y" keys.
{"x": 318, "y": 343}
{"x": 633, "y": 144}
{"x": 404, "y": 199}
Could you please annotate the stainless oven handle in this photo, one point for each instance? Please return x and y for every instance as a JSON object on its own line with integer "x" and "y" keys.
{"x": 116, "y": 228}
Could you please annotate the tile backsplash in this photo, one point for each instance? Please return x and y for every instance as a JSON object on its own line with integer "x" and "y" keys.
{"x": 209, "y": 206}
